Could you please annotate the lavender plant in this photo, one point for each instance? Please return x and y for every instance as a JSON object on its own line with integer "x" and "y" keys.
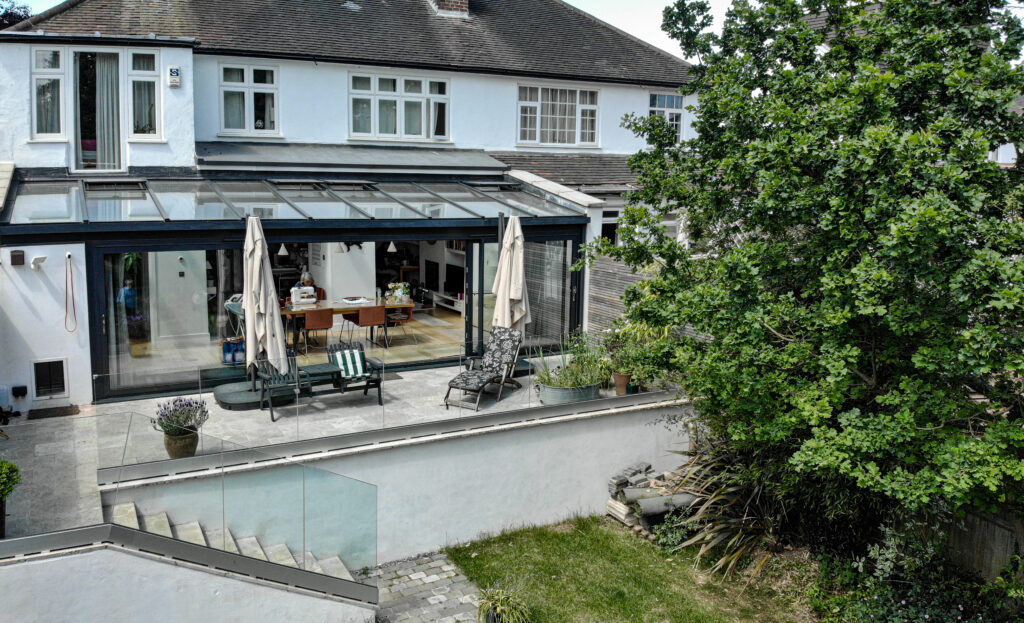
{"x": 181, "y": 416}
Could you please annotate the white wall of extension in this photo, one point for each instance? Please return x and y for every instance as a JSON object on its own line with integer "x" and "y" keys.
{"x": 174, "y": 146}
{"x": 313, "y": 106}
{"x": 36, "y": 325}
{"x": 115, "y": 585}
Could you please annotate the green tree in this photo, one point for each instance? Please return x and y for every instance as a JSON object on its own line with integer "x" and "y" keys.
{"x": 851, "y": 248}
{"x": 11, "y": 13}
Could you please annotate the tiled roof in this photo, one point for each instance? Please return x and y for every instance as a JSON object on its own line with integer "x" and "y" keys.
{"x": 519, "y": 37}
{"x": 571, "y": 169}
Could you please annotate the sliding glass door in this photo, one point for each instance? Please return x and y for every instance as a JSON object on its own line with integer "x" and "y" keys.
{"x": 97, "y": 110}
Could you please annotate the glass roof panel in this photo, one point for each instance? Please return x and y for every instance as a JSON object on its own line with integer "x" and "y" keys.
{"x": 533, "y": 204}
{"x": 255, "y": 199}
{"x": 190, "y": 201}
{"x": 424, "y": 201}
{"x": 319, "y": 203}
{"x": 374, "y": 203}
{"x": 47, "y": 202}
{"x": 120, "y": 203}
{"x": 477, "y": 203}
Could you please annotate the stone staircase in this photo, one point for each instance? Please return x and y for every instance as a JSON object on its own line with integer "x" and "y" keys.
{"x": 221, "y": 538}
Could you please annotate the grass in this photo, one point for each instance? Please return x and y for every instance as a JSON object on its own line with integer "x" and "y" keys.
{"x": 591, "y": 569}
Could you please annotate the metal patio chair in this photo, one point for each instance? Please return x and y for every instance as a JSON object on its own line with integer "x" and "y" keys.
{"x": 495, "y": 366}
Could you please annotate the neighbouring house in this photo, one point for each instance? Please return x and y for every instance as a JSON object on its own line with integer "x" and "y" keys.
{"x": 378, "y": 141}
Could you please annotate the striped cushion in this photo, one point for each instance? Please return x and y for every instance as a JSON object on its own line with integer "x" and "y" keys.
{"x": 352, "y": 362}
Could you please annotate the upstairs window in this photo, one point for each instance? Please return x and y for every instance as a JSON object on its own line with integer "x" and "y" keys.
{"x": 144, "y": 80}
{"x": 553, "y": 116}
{"x": 393, "y": 107}
{"x": 671, "y": 107}
{"x": 47, "y": 89}
{"x": 248, "y": 100}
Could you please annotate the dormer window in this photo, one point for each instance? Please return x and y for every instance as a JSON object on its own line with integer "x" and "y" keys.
{"x": 248, "y": 100}
{"x": 398, "y": 107}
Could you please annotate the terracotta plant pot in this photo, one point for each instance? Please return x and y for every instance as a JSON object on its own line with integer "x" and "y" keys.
{"x": 138, "y": 348}
{"x": 181, "y": 446}
{"x": 621, "y": 383}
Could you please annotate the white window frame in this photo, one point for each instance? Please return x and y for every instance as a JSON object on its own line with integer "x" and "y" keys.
{"x": 123, "y": 111}
{"x": 145, "y": 76}
{"x": 58, "y": 74}
{"x": 536, "y": 115}
{"x": 657, "y": 109}
{"x": 249, "y": 88}
{"x": 376, "y": 96}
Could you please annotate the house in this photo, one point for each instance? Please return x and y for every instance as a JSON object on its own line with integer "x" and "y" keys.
{"x": 378, "y": 141}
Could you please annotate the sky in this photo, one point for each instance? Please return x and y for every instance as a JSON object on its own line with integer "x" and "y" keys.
{"x": 640, "y": 18}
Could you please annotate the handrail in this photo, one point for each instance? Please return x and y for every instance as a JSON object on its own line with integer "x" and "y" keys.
{"x": 130, "y": 538}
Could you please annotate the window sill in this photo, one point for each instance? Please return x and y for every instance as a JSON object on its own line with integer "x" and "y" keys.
{"x": 249, "y": 137}
{"x": 151, "y": 141}
{"x": 48, "y": 140}
{"x": 553, "y": 146}
{"x": 369, "y": 140}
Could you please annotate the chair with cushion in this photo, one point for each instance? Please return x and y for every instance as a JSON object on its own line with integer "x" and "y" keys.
{"x": 495, "y": 366}
{"x": 400, "y": 318}
{"x": 357, "y": 371}
{"x": 274, "y": 383}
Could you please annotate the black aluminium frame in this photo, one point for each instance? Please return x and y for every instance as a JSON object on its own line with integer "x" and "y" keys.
{"x": 102, "y": 239}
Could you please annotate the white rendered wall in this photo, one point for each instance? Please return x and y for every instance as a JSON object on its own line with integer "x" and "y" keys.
{"x": 114, "y": 585}
{"x": 344, "y": 273}
{"x": 32, "y": 322}
{"x": 427, "y": 495}
{"x": 313, "y": 106}
{"x": 175, "y": 147}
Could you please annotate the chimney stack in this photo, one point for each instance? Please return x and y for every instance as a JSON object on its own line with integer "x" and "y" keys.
{"x": 451, "y": 8}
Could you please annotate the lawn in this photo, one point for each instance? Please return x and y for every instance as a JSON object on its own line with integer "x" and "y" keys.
{"x": 592, "y": 569}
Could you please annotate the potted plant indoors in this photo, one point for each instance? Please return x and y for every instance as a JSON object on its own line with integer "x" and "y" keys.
{"x": 180, "y": 420}
{"x": 501, "y": 605}
{"x": 138, "y": 335}
{"x": 400, "y": 290}
{"x": 10, "y": 476}
{"x": 575, "y": 374}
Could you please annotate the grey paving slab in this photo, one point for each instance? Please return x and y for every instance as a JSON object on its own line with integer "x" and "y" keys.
{"x": 413, "y": 590}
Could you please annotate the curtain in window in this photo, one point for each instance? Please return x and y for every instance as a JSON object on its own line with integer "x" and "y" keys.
{"x": 48, "y": 106}
{"x": 387, "y": 117}
{"x": 234, "y": 110}
{"x": 108, "y": 121}
{"x": 144, "y": 106}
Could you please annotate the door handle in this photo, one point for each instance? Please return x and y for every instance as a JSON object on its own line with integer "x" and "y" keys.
{"x": 103, "y": 323}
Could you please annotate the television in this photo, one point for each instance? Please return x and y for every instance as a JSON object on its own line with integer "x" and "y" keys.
{"x": 454, "y": 279}
{"x": 432, "y": 279}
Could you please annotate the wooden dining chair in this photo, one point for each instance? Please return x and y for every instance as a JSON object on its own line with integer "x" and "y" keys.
{"x": 317, "y": 320}
{"x": 373, "y": 316}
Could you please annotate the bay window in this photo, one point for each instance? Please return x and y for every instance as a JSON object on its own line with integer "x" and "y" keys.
{"x": 556, "y": 116}
{"x": 248, "y": 100}
{"x": 390, "y": 107}
{"x": 47, "y": 89}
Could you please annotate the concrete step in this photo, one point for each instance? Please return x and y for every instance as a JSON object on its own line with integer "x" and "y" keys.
{"x": 280, "y": 554}
{"x": 307, "y": 562}
{"x": 250, "y": 546}
{"x": 190, "y": 532}
{"x": 221, "y": 539}
{"x": 125, "y": 515}
{"x": 157, "y": 524}
{"x": 334, "y": 566}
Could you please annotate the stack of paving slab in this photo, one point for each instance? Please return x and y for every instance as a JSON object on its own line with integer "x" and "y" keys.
{"x": 221, "y": 538}
{"x": 641, "y": 497}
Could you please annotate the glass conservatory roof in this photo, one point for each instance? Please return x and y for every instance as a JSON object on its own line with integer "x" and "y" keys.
{"x": 171, "y": 200}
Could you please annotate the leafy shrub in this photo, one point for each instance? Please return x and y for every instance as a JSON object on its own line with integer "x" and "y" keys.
{"x": 502, "y": 604}
{"x": 674, "y": 530}
{"x": 181, "y": 416}
{"x": 10, "y": 476}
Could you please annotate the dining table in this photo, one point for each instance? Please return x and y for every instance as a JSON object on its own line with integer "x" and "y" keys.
{"x": 338, "y": 307}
